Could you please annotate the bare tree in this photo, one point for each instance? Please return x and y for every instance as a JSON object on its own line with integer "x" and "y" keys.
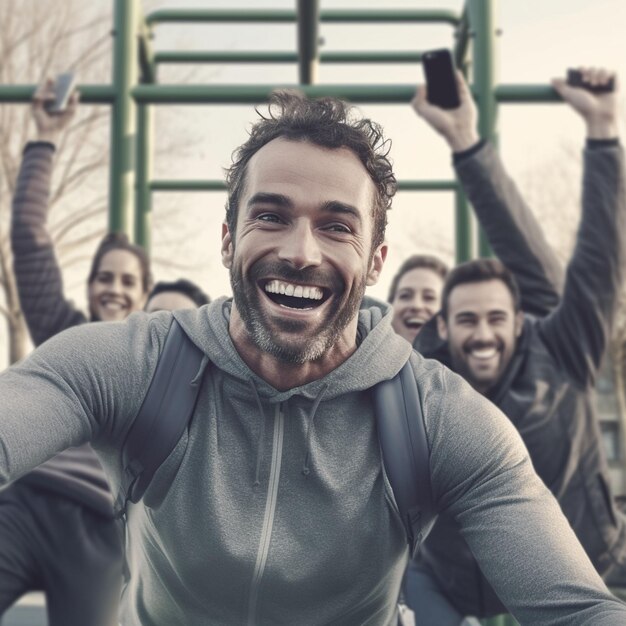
{"x": 37, "y": 40}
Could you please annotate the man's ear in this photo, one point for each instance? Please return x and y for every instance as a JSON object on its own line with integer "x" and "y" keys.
{"x": 519, "y": 323}
{"x": 376, "y": 266}
{"x": 442, "y": 327}
{"x": 227, "y": 247}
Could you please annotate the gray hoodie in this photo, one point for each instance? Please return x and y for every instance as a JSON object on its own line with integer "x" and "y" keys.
{"x": 273, "y": 508}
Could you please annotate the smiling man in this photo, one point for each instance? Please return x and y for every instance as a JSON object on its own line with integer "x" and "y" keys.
{"x": 273, "y": 508}
{"x": 305, "y": 251}
{"x": 481, "y": 321}
{"x": 532, "y": 346}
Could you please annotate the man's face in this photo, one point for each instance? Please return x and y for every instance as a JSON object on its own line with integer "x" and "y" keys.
{"x": 482, "y": 330}
{"x": 301, "y": 256}
{"x": 417, "y": 299}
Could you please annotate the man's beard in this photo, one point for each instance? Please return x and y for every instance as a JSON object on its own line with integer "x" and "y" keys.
{"x": 247, "y": 300}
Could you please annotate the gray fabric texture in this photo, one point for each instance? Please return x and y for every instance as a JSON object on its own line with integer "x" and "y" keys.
{"x": 547, "y": 389}
{"x": 210, "y": 544}
{"x": 74, "y": 473}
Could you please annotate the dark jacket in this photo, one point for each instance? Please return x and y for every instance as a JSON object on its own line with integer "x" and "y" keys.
{"x": 547, "y": 388}
{"x": 75, "y": 473}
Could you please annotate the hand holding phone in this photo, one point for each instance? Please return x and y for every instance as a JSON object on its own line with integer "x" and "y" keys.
{"x": 63, "y": 88}
{"x": 592, "y": 93}
{"x": 441, "y": 79}
{"x": 575, "y": 79}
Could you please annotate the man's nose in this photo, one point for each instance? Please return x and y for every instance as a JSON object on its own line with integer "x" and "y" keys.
{"x": 300, "y": 247}
{"x": 483, "y": 331}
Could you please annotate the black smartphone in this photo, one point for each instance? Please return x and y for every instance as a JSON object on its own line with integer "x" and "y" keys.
{"x": 575, "y": 79}
{"x": 441, "y": 78}
{"x": 63, "y": 88}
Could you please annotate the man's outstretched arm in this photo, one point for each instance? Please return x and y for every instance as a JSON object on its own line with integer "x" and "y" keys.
{"x": 509, "y": 224}
{"x": 83, "y": 385}
{"x": 482, "y": 475}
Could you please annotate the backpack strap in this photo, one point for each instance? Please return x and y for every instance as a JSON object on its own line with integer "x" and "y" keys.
{"x": 164, "y": 414}
{"x": 406, "y": 457}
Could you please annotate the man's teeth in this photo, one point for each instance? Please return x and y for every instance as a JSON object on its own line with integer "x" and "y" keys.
{"x": 109, "y": 304}
{"x": 296, "y": 291}
{"x": 484, "y": 353}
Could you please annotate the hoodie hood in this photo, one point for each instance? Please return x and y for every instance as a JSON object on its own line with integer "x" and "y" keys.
{"x": 430, "y": 345}
{"x": 380, "y": 356}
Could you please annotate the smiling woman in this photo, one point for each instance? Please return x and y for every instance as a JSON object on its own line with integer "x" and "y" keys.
{"x": 119, "y": 280}
{"x": 415, "y": 293}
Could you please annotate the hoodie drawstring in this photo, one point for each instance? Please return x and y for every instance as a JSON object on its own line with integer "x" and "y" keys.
{"x": 257, "y": 473}
{"x": 305, "y": 468}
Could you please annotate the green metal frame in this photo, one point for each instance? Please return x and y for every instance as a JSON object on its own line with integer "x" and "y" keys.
{"x": 134, "y": 89}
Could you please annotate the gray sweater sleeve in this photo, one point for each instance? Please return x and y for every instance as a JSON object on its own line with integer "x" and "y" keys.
{"x": 482, "y": 475}
{"x": 578, "y": 331}
{"x": 83, "y": 385}
{"x": 39, "y": 280}
{"x": 511, "y": 229}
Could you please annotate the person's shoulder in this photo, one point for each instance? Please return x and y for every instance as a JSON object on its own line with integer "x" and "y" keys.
{"x": 122, "y": 341}
{"x": 430, "y": 372}
{"x": 449, "y": 402}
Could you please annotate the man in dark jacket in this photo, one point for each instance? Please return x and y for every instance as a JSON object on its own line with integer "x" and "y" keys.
{"x": 539, "y": 369}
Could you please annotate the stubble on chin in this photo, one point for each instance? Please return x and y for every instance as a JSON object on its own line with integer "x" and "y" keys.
{"x": 296, "y": 349}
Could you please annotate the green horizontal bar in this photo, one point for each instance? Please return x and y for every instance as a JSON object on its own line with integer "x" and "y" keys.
{"x": 217, "y": 15}
{"x": 380, "y": 94}
{"x": 219, "y": 185}
{"x": 340, "y": 15}
{"x": 427, "y": 185}
{"x": 285, "y": 57}
{"x": 390, "y": 15}
{"x": 246, "y": 94}
{"x": 90, "y": 94}
{"x": 521, "y": 94}
{"x": 187, "y": 185}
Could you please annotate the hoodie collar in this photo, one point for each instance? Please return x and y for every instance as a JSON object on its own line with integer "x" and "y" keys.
{"x": 379, "y": 356}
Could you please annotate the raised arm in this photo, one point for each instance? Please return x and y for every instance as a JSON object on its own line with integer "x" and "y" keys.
{"x": 579, "y": 330}
{"x": 482, "y": 475}
{"x": 508, "y": 222}
{"x": 39, "y": 280}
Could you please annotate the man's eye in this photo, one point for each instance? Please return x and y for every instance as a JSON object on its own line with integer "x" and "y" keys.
{"x": 269, "y": 217}
{"x": 338, "y": 228}
{"x": 465, "y": 321}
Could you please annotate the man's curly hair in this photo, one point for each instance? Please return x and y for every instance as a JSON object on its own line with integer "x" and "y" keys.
{"x": 326, "y": 122}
